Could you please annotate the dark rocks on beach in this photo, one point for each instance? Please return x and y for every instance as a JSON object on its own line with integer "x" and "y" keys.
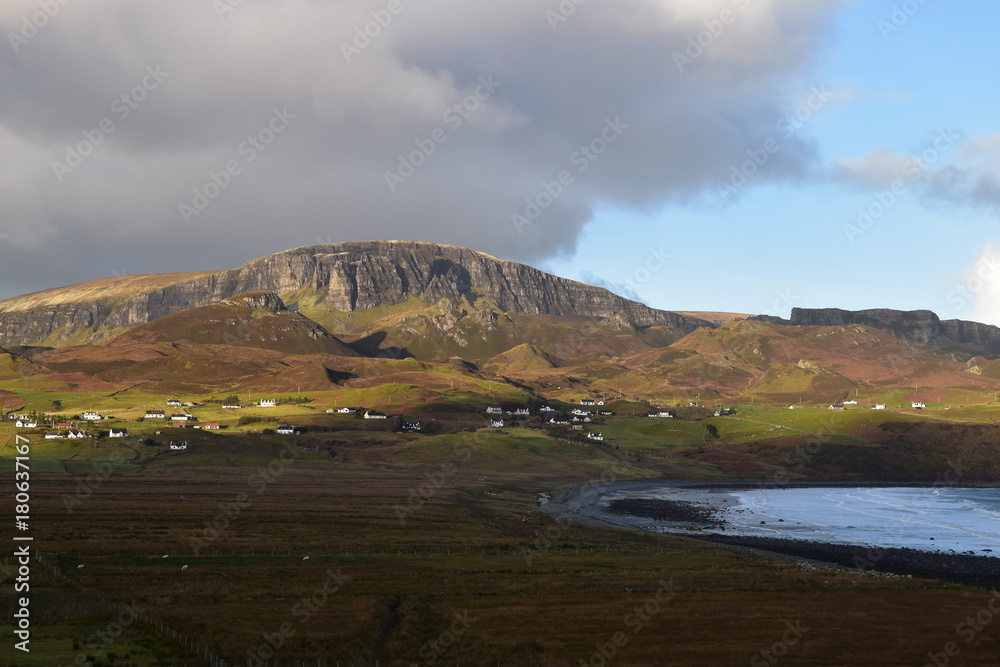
{"x": 678, "y": 511}
{"x": 982, "y": 571}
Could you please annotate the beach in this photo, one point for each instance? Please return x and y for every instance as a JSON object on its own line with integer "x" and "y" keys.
{"x": 697, "y": 509}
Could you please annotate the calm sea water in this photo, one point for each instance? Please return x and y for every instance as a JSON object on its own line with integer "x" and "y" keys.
{"x": 932, "y": 519}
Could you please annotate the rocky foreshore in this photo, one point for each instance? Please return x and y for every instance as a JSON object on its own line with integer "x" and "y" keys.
{"x": 982, "y": 571}
{"x": 698, "y": 509}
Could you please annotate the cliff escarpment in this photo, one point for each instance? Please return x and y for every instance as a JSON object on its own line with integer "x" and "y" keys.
{"x": 343, "y": 277}
{"x": 918, "y": 327}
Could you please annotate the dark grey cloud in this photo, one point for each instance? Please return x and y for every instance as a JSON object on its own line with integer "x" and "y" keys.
{"x": 185, "y": 90}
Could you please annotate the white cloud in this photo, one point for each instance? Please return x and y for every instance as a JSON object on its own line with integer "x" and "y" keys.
{"x": 880, "y": 168}
{"x": 947, "y": 167}
{"x": 982, "y": 281}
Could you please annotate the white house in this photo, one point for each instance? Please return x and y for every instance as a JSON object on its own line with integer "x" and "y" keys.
{"x": 268, "y": 403}
{"x": 850, "y": 402}
{"x": 917, "y": 406}
{"x": 178, "y": 445}
{"x": 76, "y": 435}
{"x": 663, "y": 414}
{"x": 53, "y": 435}
{"x": 410, "y": 427}
{"x": 588, "y": 401}
{"x": 522, "y": 412}
{"x": 494, "y": 410}
{"x": 118, "y": 433}
{"x": 582, "y": 413}
{"x": 286, "y": 430}
{"x": 231, "y": 406}
{"x": 879, "y": 406}
{"x": 496, "y": 423}
{"x": 595, "y": 436}
{"x": 212, "y": 426}
{"x": 92, "y": 416}
{"x": 372, "y": 414}
{"x": 546, "y": 408}
{"x": 173, "y": 402}
{"x": 347, "y": 411}
{"x": 181, "y": 417}
{"x": 605, "y": 413}
{"x": 155, "y": 414}
{"x": 26, "y": 423}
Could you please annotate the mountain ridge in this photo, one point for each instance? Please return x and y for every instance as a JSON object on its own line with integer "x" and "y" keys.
{"x": 339, "y": 285}
{"x": 344, "y": 277}
{"x": 922, "y": 328}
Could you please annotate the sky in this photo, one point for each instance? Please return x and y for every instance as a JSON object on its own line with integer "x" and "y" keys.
{"x": 747, "y": 156}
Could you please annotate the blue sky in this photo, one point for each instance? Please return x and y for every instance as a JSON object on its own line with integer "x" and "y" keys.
{"x": 780, "y": 245}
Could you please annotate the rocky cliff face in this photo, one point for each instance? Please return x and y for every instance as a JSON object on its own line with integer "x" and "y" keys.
{"x": 919, "y": 327}
{"x": 343, "y": 277}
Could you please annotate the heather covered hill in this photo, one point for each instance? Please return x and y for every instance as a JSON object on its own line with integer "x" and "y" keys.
{"x": 253, "y": 319}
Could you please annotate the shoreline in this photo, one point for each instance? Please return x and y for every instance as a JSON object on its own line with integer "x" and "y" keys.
{"x": 695, "y": 506}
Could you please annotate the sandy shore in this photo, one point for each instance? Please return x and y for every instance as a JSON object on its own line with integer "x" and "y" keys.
{"x": 692, "y": 508}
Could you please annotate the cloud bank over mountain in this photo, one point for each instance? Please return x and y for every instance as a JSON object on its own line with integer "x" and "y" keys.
{"x": 209, "y": 132}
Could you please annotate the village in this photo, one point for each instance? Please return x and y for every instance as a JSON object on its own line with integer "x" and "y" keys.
{"x": 580, "y": 420}
{"x": 177, "y": 414}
